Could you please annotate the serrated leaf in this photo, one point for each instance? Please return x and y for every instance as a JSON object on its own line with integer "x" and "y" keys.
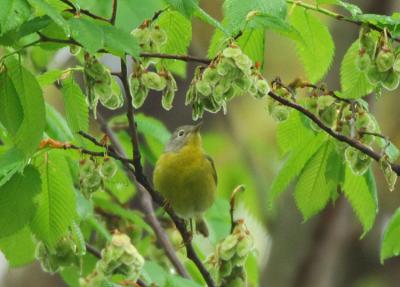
{"x": 313, "y": 189}
{"x": 152, "y": 127}
{"x": 87, "y": 33}
{"x": 56, "y": 126}
{"x": 353, "y": 81}
{"x": 390, "y": 243}
{"x": 252, "y": 43}
{"x": 360, "y": 191}
{"x": 294, "y": 165}
{"x": 185, "y": 7}
{"x": 76, "y": 108}
{"x": 49, "y": 77}
{"x": 11, "y": 113}
{"x": 11, "y": 162}
{"x": 17, "y": 197}
{"x": 18, "y": 248}
{"x": 52, "y": 13}
{"x": 120, "y": 42}
{"x": 12, "y": 14}
{"x": 316, "y": 50}
{"x": 56, "y": 202}
{"x": 179, "y": 36}
{"x": 293, "y": 133}
{"x": 31, "y": 98}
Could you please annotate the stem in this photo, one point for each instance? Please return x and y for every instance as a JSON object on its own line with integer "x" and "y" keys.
{"x": 74, "y": 10}
{"x": 186, "y": 58}
{"x": 114, "y": 12}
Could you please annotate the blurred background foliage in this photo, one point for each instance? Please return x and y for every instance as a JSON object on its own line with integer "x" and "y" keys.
{"x": 325, "y": 251}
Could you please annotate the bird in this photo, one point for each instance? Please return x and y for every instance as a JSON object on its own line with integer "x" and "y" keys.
{"x": 186, "y": 176}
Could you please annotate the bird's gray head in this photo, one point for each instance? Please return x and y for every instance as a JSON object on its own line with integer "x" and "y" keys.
{"x": 182, "y": 136}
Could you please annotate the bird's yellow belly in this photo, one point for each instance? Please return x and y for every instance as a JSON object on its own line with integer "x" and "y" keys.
{"x": 186, "y": 180}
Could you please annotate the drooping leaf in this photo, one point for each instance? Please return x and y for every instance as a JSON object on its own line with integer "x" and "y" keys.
{"x": 119, "y": 42}
{"x": 294, "y": 165}
{"x": 87, "y": 33}
{"x": 76, "y": 108}
{"x": 390, "y": 243}
{"x": 18, "y": 248}
{"x": 13, "y": 13}
{"x": 316, "y": 50}
{"x": 360, "y": 191}
{"x": 11, "y": 162}
{"x": 31, "y": 98}
{"x": 56, "y": 126}
{"x": 313, "y": 189}
{"x": 179, "y": 36}
{"x": 56, "y": 202}
{"x": 353, "y": 81}
{"x": 52, "y": 13}
{"x": 17, "y": 198}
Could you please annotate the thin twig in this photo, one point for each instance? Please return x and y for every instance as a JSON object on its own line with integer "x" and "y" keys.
{"x": 92, "y": 250}
{"x": 74, "y": 10}
{"x": 114, "y": 12}
{"x": 185, "y": 58}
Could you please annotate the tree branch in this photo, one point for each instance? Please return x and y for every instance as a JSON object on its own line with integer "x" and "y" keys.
{"x": 74, "y": 10}
{"x": 114, "y": 12}
{"x": 185, "y": 58}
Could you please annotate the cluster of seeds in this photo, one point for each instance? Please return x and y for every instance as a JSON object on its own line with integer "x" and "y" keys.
{"x": 378, "y": 60}
{"x": 151, "y": 37}
{"x": 92, "y": 174}
{"x": 64, "y": 254}
{"x": 230, "y": 74}
{"x": 101, "y": 85}
{"x": 118, "y": 257}
{"x": 278, "y": 111}
{"x": 226, "y": 265}
{"x": 141, "y": 81}
{"x": 390, "y": 175}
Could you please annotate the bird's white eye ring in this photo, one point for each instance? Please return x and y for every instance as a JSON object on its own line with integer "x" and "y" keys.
{"x": 181, "y": 133}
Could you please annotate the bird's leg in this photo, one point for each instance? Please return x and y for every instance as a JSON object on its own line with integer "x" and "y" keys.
{"x": 188, "y": 240}
{"x": 166, "y": 205}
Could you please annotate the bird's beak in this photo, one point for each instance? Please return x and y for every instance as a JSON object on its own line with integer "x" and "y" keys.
{"x": 197, "y": 127}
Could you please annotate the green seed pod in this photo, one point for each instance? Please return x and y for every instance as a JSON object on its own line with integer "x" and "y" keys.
{"x": 328, "y": 115}
{"x": 368, "y": 43}
{"x": 225, "y": 66}
{"x": 391, "y": 80}
{"x": 211, "y": 105}
{"x": 158, "y": 36}
{"x": 311, "y": 104}
{"x": 396, "y": 64}
{"x": 210, "y": 75}
{"x": 154, "y": 81}
{"x": 114, "y": 102}
{"x": 363, "y": 121}
{"x": 280, "y": 113}
{"x": 230, "y": 94}
{"x": 243, "y": 83}
{"x": 94, "y": 69}
{"x": 363, "y": 61}
{"x": 167, "y": 99}
{"x": 204, "y": 88}
{"x": 237, "y": 282}
{"x": 245, "y": 246}
{"x": 103, "y": 91}
{"x": 142, "y": 35}
{"x": 359, "y": 163}
{"x": 227, "y": 247}
{"x": 134, "y": 84}
{"x": 92, "y": 181}
{"x": 225, "y": 269}
{"x": 244, "y": 63}
{"x": 390, "y": 175}
{"x": 197, "y": 111}
{"x": 384, "y": 60}
{"x": 374, "y": 76}
{"x": 232, "y": 52}
{"x": 190, "y": 95}
{"x": 74, "y": 49}
{"x": 262, "y": 88}
{"x": 324, "y": 102}
{"x": 86, "y": 167}
{"x": 139, "y": 97}
{"x": 109, "y": 168}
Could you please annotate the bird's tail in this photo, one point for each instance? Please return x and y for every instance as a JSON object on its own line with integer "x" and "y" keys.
{"x": 201, "y": 226}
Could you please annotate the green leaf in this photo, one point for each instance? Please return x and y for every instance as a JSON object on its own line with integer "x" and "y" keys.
{"x": 316, "y": 50}
{"x": 294, "y": 165}
{"x": 31, "y": 98}
{"x": 13, "y": 13}
{"x": 353, "y": 9}
{"x": 153, "y": 128}
{"x": 49, "y": 77}
{"x": 293, "y": 132}
{"x": 252, "y": 44}
{"x": 391, "y": 244}
{"x": 52, "y": 13}
{"x": 56, "y": 126}
{"x": 17, "y": 198}
{"x": 18, "y": 248}
{"x": 185, "y": 7}
{"x": 11, "y": 113}
{"x": 353, "y": 81}
{"x": 76, "y": 108}
{"x": 360, "y": 191}
{"x": 119, "y": 42}
{"x": 87, "y": 33}
{"x": 179, "y": 36}
{"x": 11, "y": 162}
{"x": 313, "y": 189}
{"x": 56, "y": 202}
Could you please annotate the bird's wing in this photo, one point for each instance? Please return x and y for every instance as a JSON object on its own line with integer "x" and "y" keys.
{"x": 213, "y": 167}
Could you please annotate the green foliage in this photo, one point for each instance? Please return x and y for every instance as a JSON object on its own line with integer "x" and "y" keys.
{"x": 119, "y": 42}
{"x": 12, "y": 14}
{"x": 87, "y": 33}
{"x": 17, "y": 197}
{"x": 390, "y": 243}
{"x": 353, "y": 81}
{"x": 56, "y": 202}
{"x": 76, "y": 108}
{"x": 360, "y": 191}
{"x": 317, "y": 49}
{"x": 314, "y": 189}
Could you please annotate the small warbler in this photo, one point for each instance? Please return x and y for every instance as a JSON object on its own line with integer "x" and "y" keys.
{"x": 186, "y": 176}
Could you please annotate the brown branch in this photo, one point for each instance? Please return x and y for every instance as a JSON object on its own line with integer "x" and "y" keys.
{"x": 185, "y": 58}
{"x": 75, "y": 11}
{"x": 142, "y": 179}
{"x": 146, "y": 203}
{"x": 114, "y": 12}
{"x": 92, "y": 250}
{"x": 352, "y": 142}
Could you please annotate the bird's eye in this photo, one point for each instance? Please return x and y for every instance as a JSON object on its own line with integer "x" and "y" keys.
{"x": 181, "y": 133}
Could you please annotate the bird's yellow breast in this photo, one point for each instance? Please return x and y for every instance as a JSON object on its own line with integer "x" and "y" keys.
{"x": 186, "y": 179}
